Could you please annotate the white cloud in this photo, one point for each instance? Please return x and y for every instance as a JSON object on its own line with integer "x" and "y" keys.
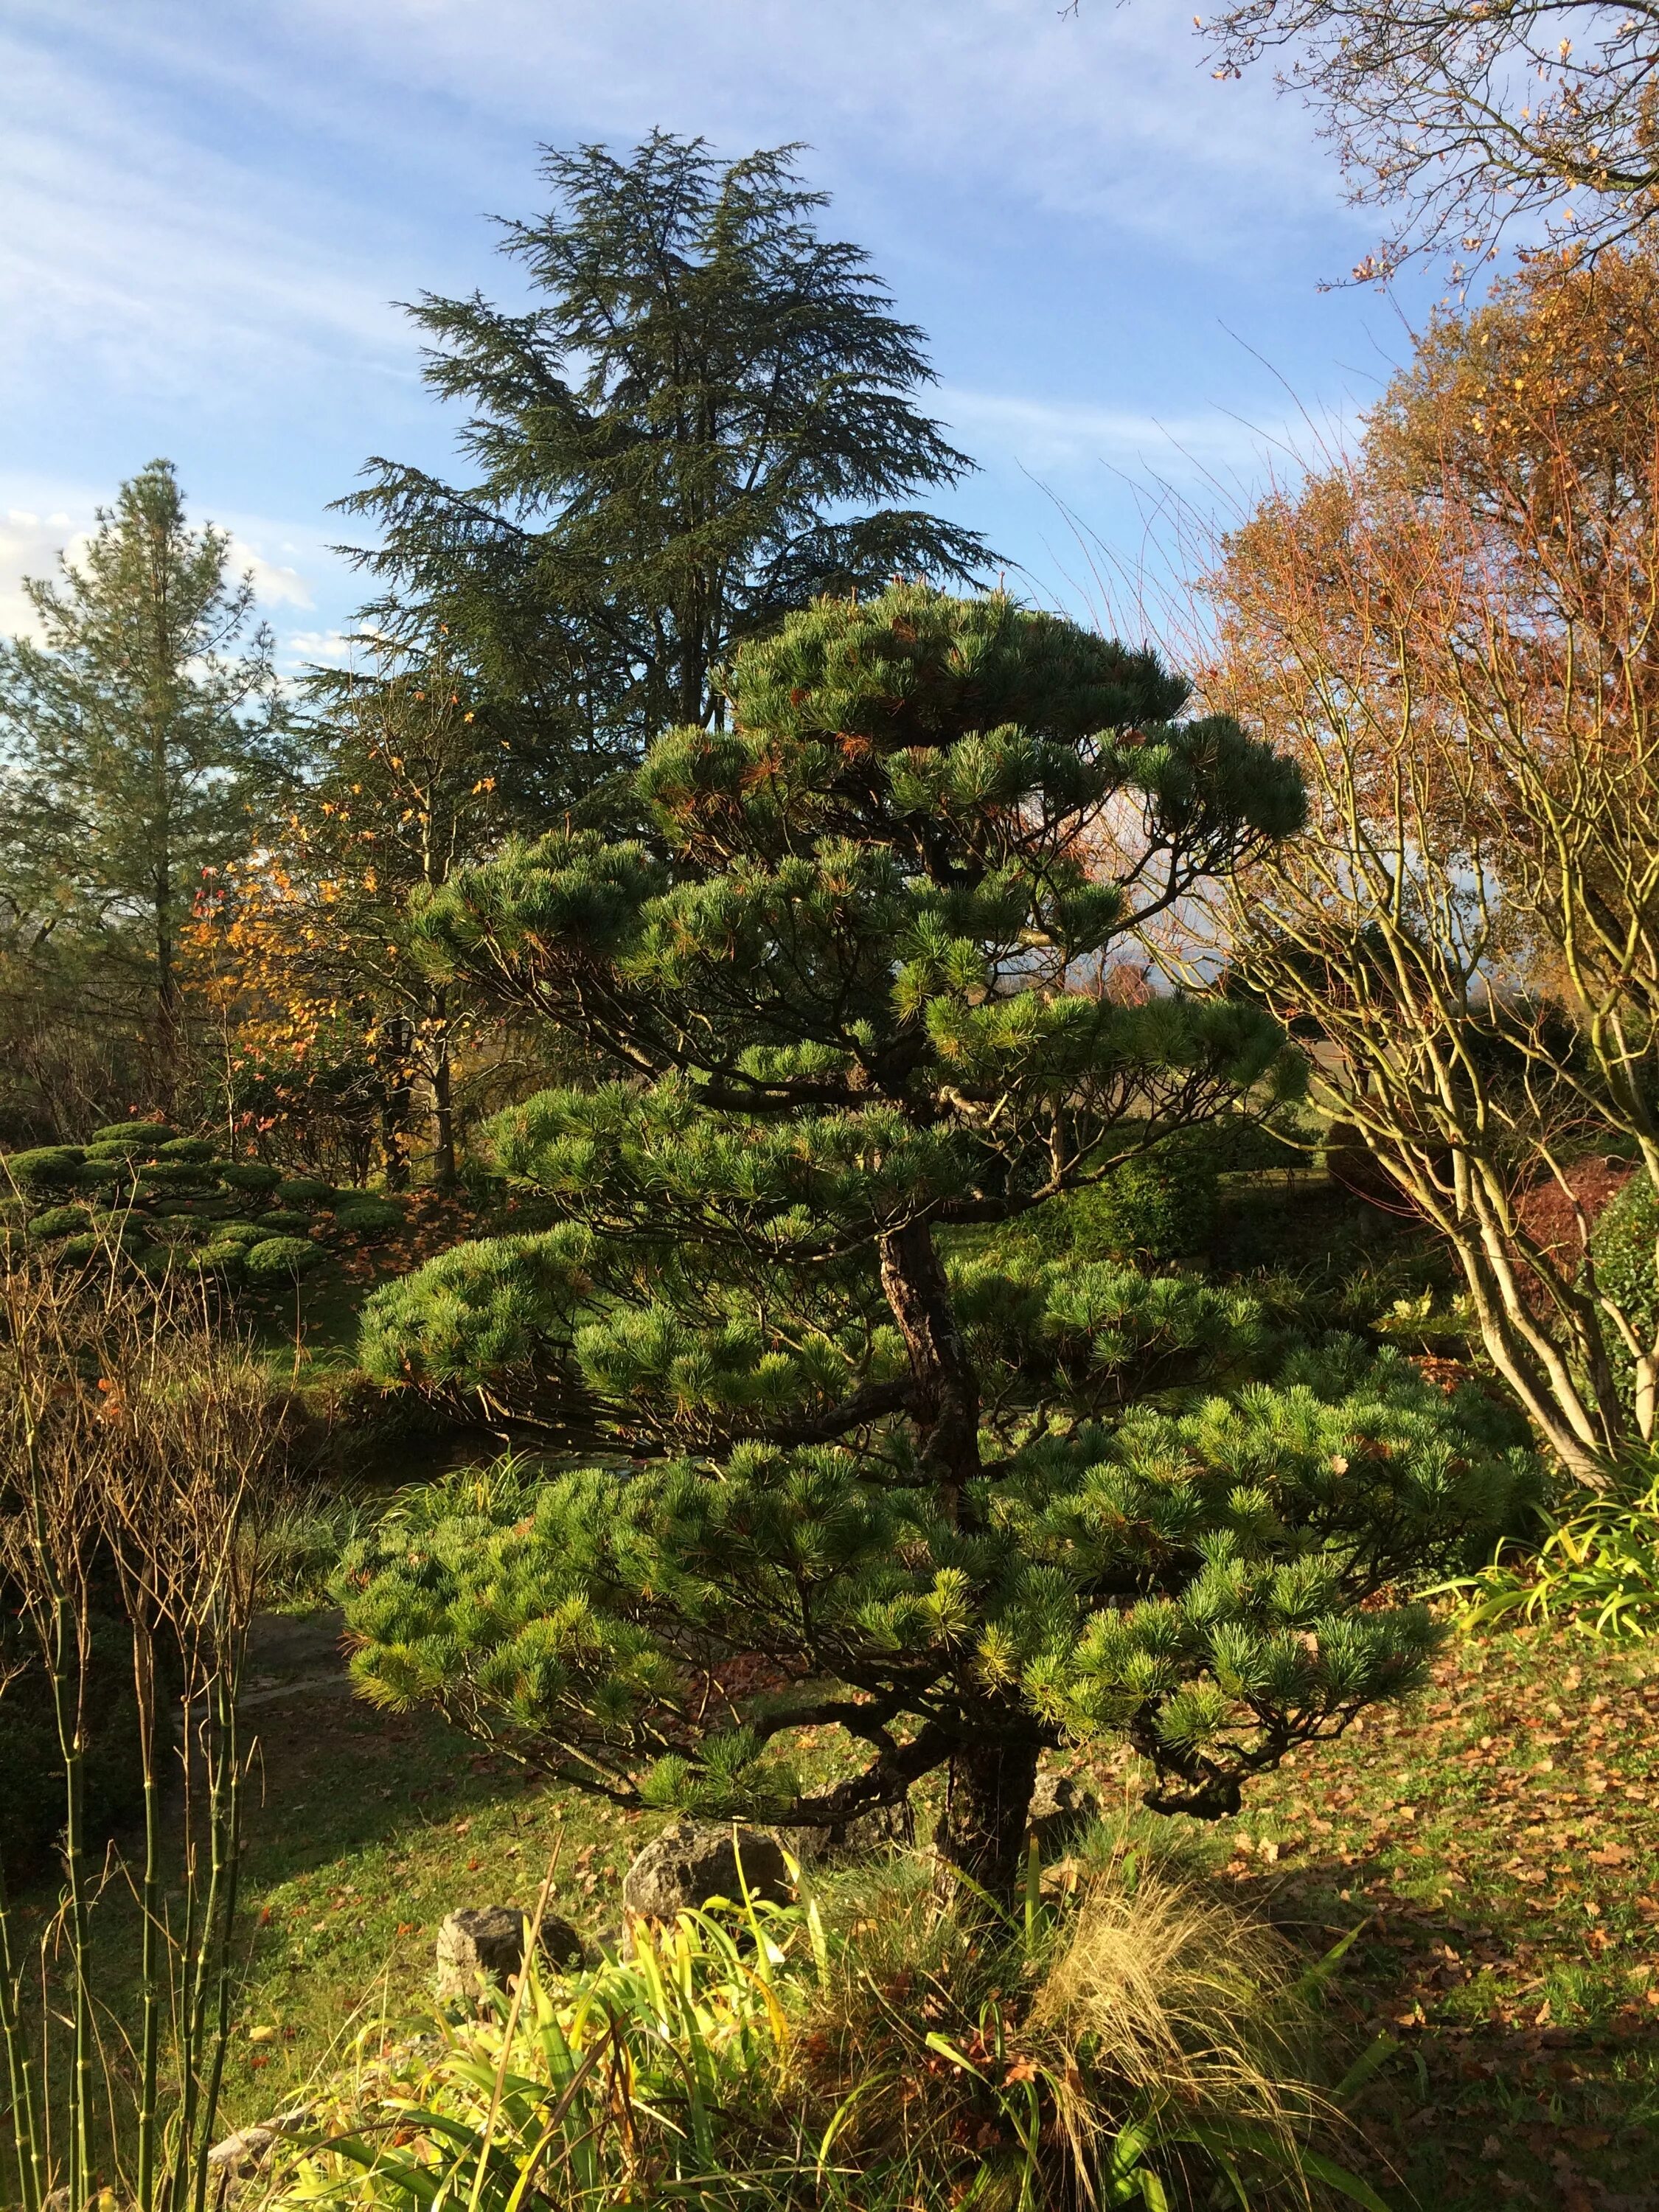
{"x": 274, "y": 586}
{"x": 30, "y": 545}
{"x": 331, "y": 647}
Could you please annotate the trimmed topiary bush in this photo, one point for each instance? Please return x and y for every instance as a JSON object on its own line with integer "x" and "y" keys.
{"x": 59, "y": 1221}
{"x": 104, "y": 1172}
{"x": 250, "y": 1175}
{"x": 46, "y": 1168}
{"x": 1164, "y": 1205}
{"x": 1622, "y": 1246}
{"x": 278, "y": 1257}
{"x": 242, "y": 1233}
{"x": 304, "y": 1190}
{"x": 185, "y": 1148}
{"x": 368, "y": 1216}
{"x": 77, "y": 1251}
{"x": 174, "y": 1175}
{"x": 134, "y": 1136}
{"x": 285, "y": 1221}
{"x": 220, "y": 1258}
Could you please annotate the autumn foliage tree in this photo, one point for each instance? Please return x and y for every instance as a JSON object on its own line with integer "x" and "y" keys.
{"x": 306, "y": 948}
{"x": 1454, "y": 635}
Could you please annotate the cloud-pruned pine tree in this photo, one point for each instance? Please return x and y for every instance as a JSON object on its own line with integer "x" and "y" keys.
{"x": 844, "y": 994}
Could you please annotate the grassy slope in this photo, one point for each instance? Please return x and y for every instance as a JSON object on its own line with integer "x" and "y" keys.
{"x": 1500, "y": 1841}
{"x": 1497, "y": 1840}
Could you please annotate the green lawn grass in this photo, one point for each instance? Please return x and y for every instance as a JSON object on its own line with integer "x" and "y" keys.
{"x": 1497, "y": 1842}
{"x": 1500, "y": 1842}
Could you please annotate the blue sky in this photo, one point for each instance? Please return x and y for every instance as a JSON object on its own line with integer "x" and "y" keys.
{"x": 212, "y": 209}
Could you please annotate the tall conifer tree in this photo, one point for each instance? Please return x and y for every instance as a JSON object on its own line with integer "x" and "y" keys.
{"x": 704, "y": 420}
{"x": 139, "y": 734}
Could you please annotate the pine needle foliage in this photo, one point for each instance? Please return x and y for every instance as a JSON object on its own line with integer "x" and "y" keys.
{"x": 844, "y": 991}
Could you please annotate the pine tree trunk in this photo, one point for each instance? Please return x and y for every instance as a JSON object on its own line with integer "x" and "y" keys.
{"x": 947, "y": 1388}
{"x": 982, "y": 1830}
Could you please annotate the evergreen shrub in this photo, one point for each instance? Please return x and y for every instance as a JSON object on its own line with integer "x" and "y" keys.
{"x": 252, "y": 1176}
{"x": 368, "y": 1216}
{"x": 46, "y": 1168}
{"x": 59, "y": 1221}
{"x": 1622, "y": 1245}
{"x": 279, "y": 1257}
{"x": 961, "y": 1503}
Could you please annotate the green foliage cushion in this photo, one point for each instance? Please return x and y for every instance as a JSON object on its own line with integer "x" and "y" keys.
{"x": 133, "y": 1136}
{"x": 368, "y": 1216}
{"x": 286, "y": 1221}
{"x": 105, "y": 1171}
{"x": 281, "y": 1257}
{"x": 221, "y": 1257}
{"x": 59, "y": 1221}
{"x": 1206, "y": 1582}
{"x": 1159, "y": 1206}
{"x": 185, "y": 1148}
{"x": 76, "y": 1251}
{"x": 487, "y": 1308}
{"x": 46, "y": 1168}
{"x": 174, "y": 1175}
{"x": 1622, "y": 1246}
{"x": 304, "y": 1190}
{"x": 250, "y": 1175}
{"x": 242, "y": 1232}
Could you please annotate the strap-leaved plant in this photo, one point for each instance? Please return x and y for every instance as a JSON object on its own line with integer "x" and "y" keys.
{"x": 888, "y": 1477}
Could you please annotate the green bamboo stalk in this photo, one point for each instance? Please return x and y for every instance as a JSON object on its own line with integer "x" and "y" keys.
{"x": 20, "y": 2067}
{"x": 72, "y": 1748}
{"x": 228, "y": 1825}
{"x": 199, "y": 1919}
{"x": 143, "y": 1667}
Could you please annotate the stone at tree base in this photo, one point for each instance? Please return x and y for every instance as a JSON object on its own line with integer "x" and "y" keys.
{"x": 1060, "y": 1811}
{"x": 690, "y": 1862}
{"x": 486, "y": 1942}
{"x": 883, "y": 1827}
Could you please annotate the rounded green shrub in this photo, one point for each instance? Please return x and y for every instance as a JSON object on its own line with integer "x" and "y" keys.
{"x": 304, "y": 1190}
{"x": 59, "y": 1221}
{"x": 1162, "y": 1204}
{"x": 241, "y": 1233}
{"x": 46, "y": 1168}
{"x": 102, "y": 1171}
{"x": 368, "y": 1216}
{"x": 285, "y": 1221}
{"x": 280, "y": 1256}
{"x": 250, "y": 1175}
{"x": 77, "y": 1251}
{"x": 185, "y": 1148}
{"x": 134, "y": 1136}
{"x": 155, "y": 1261}
{"x": 173, "y": 1175}
{"x": 220, "y": 1258}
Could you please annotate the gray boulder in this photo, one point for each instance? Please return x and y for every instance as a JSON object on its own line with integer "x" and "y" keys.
{"x": 486, "y": 1943}
{"x": 691, "y": 1861}
{"x": 1060, "y": 1811}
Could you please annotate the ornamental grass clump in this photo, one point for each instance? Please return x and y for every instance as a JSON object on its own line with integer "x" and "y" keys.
{"x": 1135, "y": 2042}
{"x": 963, "y": 1503}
